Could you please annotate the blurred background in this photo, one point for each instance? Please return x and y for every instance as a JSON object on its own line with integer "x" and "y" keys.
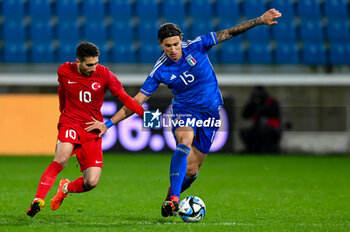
{"x": 303, "y": 61}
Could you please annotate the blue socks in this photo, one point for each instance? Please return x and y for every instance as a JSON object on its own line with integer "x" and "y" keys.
{"x": 178, "y": 168}
{"x": 187, "y": 182}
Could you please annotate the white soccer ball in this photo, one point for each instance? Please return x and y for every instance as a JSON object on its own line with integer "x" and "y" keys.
{"x": 192, "y": 209}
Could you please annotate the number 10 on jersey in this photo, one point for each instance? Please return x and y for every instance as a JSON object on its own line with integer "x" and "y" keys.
{"x": 85, "y": 96}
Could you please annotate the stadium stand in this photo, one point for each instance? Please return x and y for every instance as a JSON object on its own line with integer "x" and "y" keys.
{"x": 147, "y": 9}
{"x": 286, "y": 31}
{"x": 67, "y": 8}
{"x": 122, "y": 30}
{"x": 200, "y": 9}
{"x": 284, "y": 6}
{"x": 316, "y": 29}
{"x": 124, "y": 52}
{"x": 42, "y": 52}
{"x": 259, "y": 53}
{"x": 314, "y": 53}
{"x": 309, "y": 8}
{"x": 13, "y": 9}
{"x": 251, "y": 7}
{"x": 233, "y": 53}
{"x": 149, "y": 53}
{"x": 228, "y": 9}
{"x": 121, "y": 9}
{"x": 336, "y": 8}
{"x": 174, "y": 10}
{"x": 311, "y": 29}
{"x": 287, "y": 52}
{"x": 93, "y": 8}
{"x": 340, "y": 53}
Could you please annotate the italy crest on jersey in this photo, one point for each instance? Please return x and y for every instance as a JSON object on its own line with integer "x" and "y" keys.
{"x": 190, "y": 60}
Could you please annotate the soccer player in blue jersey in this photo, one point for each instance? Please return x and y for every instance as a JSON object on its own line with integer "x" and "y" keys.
{"x": 185, "y": 68}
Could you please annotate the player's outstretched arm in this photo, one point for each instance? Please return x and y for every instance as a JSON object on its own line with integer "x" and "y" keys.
{"x": 268, "y": 18}
{"x": 125, "y": 112}
{"x": 122, "y": 114}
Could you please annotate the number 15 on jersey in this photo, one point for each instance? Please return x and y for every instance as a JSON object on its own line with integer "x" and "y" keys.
{"x": 187, "y": 78}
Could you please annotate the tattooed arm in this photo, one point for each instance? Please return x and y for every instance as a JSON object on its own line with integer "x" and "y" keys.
{"x": 268, "y": 18}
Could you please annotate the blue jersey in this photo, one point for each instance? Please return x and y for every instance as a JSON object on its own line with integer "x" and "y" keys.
{"x": 192, "y": 79}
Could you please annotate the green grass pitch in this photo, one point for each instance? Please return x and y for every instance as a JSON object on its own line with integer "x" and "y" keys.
{"x": 242, "y": 193}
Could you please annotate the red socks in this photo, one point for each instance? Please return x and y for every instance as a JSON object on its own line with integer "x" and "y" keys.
{"x": 48, "y": 179}
{"x": 76, "y": 186}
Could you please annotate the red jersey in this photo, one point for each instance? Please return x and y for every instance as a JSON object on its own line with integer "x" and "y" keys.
{"x": 81, "y": 97}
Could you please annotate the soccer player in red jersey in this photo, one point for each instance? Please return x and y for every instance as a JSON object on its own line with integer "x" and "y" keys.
{"x": 81, "y": 90}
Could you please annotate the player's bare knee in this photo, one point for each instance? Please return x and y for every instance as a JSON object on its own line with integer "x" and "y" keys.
{"x": 62, "y": 160}
{"x": 90, "y": 183}
{"x": 185, "y": 141}
{"x": 192, "y": 170}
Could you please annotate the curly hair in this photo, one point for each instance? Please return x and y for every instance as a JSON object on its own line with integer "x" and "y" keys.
{"x": 87, "y": 49}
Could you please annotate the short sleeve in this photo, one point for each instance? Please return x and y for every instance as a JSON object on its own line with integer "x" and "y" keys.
{"x": 150, "y": 85}
{"x": 209, "y": 40}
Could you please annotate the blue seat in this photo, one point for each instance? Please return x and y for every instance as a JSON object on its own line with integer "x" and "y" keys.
{"x": 338, "y": 30}
{"x": 147, "y": 9}
{"x": 68, "y": 29}
{"x": 122, "y": 30}
{"x": 284, "y": 31}
{"x": 149, "y": 52}
{"x": 15, "y": 29}
{"x": 41, "y": 28}
{"x": 287, "y": 53}
{"x": 124, "y": 53}
{"x": 67, "y": 8}
{"x": 174, "y": 10}
{"x": 95, "y": 30}
{"x": 13, "y": 8}
{"x": 309, "y": 8}
{"x": 93, "y": 8}
{"x": 147, "y": 31}
{"x": 260, "y": 33}
{"x": 120, "y": 9}
{"x": 40, "y": 7}
{"x": 336, "y": 8}
{"x": 66, "y": 51}
{"x": 15, "y": 51}
{"x": 314, "y": 53}
{"x": 311, "y": 30}
{"x": 201, "y": 9}
{"x": 340, "y": 53}
{"x": 228, "y": 8}
{"x": 1, "y": 53}
{"x": 42, "y": 52}
{"x": 201, "y": 27}
{"x": 253, "y": 8}
{"x": 259, "y": 53}
{"x": 285, "y": 7}
{"x": 232, "y": 53}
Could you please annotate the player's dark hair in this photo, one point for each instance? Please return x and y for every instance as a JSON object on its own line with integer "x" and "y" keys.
{"x": 168, "y": 30}
{"x": 87, "y": 49}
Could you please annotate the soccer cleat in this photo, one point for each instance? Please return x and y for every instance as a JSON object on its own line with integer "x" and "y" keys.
{"x": 57, "y": 200}
{"x": 35, "y": 207}
{"x": 170, "y": 208}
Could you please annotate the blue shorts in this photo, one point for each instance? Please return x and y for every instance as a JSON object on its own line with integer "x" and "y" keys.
{"x": 203, "y": 134}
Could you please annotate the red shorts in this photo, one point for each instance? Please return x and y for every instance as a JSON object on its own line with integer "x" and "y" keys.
{"x": 87, "y": 147}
